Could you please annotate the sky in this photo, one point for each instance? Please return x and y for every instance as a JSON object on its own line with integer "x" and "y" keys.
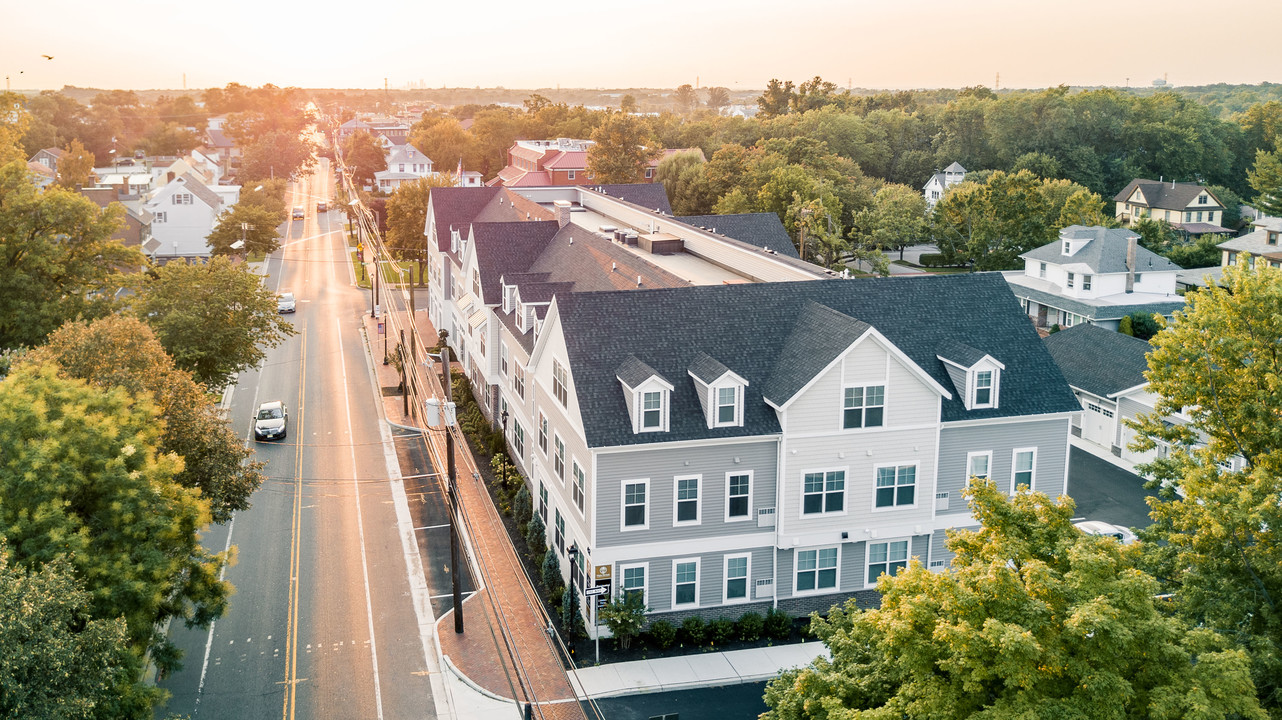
{"x": 740, "y": 44}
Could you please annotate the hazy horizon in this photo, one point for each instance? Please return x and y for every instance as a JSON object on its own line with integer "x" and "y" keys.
{"x": 741, "y": 45}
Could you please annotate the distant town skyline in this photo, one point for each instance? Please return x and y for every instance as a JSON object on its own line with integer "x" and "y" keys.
{"x": 575, "y": 44}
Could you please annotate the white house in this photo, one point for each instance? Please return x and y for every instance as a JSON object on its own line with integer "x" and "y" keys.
{"x": 183, "y": 213}
{"x": 404, "y": 164}
{"x": 934, "y": 188}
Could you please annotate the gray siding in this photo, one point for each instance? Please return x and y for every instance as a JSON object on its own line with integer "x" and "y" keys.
{"x": 1050, "y": 437}
{"x": 939, "y": 552}
{"x": 711, "y": 579}
{"x": 958, "y": 376}
{"x": 661, "y": 466}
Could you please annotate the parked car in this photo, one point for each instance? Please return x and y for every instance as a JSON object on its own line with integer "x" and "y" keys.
{"x": 272, "y": 421}
{"x": 298, "y": 213}
{"x": 285, "y": 302}
{"x": 322, "y": 207}
{"x": 1097, "y": 527}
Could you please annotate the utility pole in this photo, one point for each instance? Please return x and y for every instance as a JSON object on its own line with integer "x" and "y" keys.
{"x": 456, "y": 585}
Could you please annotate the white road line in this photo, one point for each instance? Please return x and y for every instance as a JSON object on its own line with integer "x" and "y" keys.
{"x": 360, "y": 529}
{"x": 209, "y": 641}
{"x": 432, "y": 527}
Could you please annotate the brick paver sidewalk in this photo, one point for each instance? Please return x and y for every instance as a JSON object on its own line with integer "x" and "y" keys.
{"x": 512, "y": 649}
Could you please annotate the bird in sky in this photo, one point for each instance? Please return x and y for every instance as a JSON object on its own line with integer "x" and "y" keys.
{"x": 47, "y": 57}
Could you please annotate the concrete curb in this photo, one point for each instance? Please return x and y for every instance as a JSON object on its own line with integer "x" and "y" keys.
{"x": 468, "y": 681}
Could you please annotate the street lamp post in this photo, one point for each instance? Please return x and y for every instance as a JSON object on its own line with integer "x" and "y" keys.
{"x": 456, "y": 586}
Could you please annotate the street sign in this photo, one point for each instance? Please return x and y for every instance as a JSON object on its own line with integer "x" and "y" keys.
{"x": 381, "y": 329}
{"x": 598, "y": 590}
{"x": 602, "y": 601}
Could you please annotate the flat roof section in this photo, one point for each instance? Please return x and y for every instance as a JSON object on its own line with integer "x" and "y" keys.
{"x": 690, "y": 267}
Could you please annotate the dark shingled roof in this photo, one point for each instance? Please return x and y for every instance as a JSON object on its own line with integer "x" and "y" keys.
{"x": 1104, "y": 251}
{"x": 455, "y": 207}
{"x": 760, "y": 229}
{"x": 510, "y": 247}
{"x": 707, "y": 368}
{"x": 651, "y": 196}
{"x": 758, "y": 330}
{"x": 633, "y": 372}
{"x": 1166, "y": 195}
{"x": 960, "y": 353}
{"x": 819, "y": 334}
{"x": 1098, "y": 360}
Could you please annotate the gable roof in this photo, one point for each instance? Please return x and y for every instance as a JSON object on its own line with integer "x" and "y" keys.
{"x": 759, "y": 331}
{"x": 760, "y": 229}
{"x": 632, "y": 372}
{"x": 707, "y": 368}
{"x": 1166, "y": 195}
{"x": 1098, "y": 360}
{"x": 198, "y": 188}
{"x": 955, "y": 167}
{"x": 960, "y": 353}
{"x": 1104, "y": 251}
{"x": 650, "y": 196}
{"x": 454, "y": 207}
{"x": 507, "y": 247}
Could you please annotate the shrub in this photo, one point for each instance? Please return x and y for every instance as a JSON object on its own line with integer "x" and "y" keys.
{"x": 1124, "y": 326}
{"x": 663, "y": 633}
{"x": 778, "y": 624}
{"x": 720, "y": 631}
{"x": 693, "y": 630}
{"x": 536, "y": 536}
{"x": 933, "y": 260}
{"x": 624, "y": 616}
{"x": 552, "y": 581}
{"x": 1054, "y": 328}
{"x": 749, "y": 626}
{"x": 571, "y": 618}
{"x": 522, "y": 507}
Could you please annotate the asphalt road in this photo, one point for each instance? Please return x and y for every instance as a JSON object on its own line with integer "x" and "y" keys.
{"x": 733, "y": 702}
{"x": 1104, "y": 491}
{"x": 325, "y": 622}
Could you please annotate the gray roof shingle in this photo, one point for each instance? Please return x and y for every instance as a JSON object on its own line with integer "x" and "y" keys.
{"x": 760, "y": 229}
{"x": 757, "y": 330}
{"x": 1166, "y": 195}
{"x": 633, "y": 372}
{"x": 455, "y": 208}
{"x": 707, "y": 368}
{"x": 960, "y": 353}
{"x": 1104, "y": 251}
{"x": 1098, "y": 360}
{"x": 651, "y": 196}
{"x": 508, "y": 248}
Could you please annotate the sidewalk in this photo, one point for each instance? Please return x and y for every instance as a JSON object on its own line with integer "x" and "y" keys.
{"x": 480, "y": 672}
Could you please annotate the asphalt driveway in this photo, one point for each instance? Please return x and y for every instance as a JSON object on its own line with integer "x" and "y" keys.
{"x": 1104, "y": 491}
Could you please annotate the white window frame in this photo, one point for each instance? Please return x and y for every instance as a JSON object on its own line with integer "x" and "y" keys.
{"x": 623, "y": 506}
{"x": 579, "y": 491}
{"x": 970, "y": 460}
{"x": 558, "y": 532}
{"x": 543, "y": 434}
{"x": 748, "y": 515}
{"x": 645, "y": 575}
{"x": 1086, "y": 282}
{"x": 518, "y": 380}
{"x": 868, "y": 563}
{"x": 1041, "y": 273}
{"x": 1069, "y": 277}
{"x": 796, "y": 571}
{"x": 503, "y": 358}
{"x": 917, "y": 485}
{"x": 518, "y": 439}
{"x": 560, "y": 383}
{"x": 863, "y": 407}
{"x": 543, "y": 502}
{"x": 698, "y": 500}
{"x": 569, "y": 174}
{"x": 995, "y": 378}
{"x": 697, "y": 582}
{"x": 747, "y": 579}
{"x": 736, "y": 405}
{"x": 823, "y": 494}
{"x": 160, "y": 217}
{"x": 642, "y": 398}
{"x": 1032, "y": 473}
{"x": 558, "y": 457}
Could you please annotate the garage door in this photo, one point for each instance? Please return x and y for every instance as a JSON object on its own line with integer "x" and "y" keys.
{"x": 1097, "y": 425}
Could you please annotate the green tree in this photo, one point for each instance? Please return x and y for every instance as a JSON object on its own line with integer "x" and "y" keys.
{"x": 13, "y": 127}
{"x": 169, "y": 138}
{"x": 253, "y": 224}
{"x": 212, "y": 319}
{"x": 58, "y": 259}
{"x": 1266, "y": 179}
{"x": 718, "y": 97}
{"x": 443, "y": 140}
{"x": 56, "y": 661}
{"x": 685, "y": 99}
{"x": 1217, "y": 363}
{"x": 1202, "y": 252}
{"x": 364, "y": 156}
{"x": 776, "y": 100}
{"x": 82, "y": 481}
{"x": 628, "y": 104}
{"x": 1084, "y": 207}
{"x": 1232, "y": 215}
{"x": 269, "y": 195}
{"x": 75, "y": 166}
{"x": 276, "y": 154}
{"x": 625, "y": 616}
{"x": 896, "y": 220}
{"x": 407, "y": 216}
{"x": 1034, "y": 619}
{"x": 622, "y": 148}
{"x": 819, "y": 238}
{"x": 121, "y": 351}
{"x": 686, "y": 184}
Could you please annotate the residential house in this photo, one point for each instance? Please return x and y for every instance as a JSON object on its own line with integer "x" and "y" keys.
{"x": 1260, "y": 244}
{"x": 137, "y": 228}
{"x": 934, "y": 188}
{"x": 564, "y": 161}
{"x": 42, "y": 175}
{"x": 725, "y": 448}
{"x": 389, "y": 129}
{"x": 1188, "y": 207}
{"x": 183, "y": 213}
{"x": 404, "y": 164}
{"x": 49, "y": 157}
{"x": 1094, "y": 274}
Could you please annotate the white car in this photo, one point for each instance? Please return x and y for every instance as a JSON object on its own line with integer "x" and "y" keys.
{"x": 271, "y": 421}
{"x": 1096, "y": 527}
{"x": 285, "y": 303}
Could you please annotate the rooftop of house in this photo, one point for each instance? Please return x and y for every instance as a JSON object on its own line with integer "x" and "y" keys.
{"x": 761, "y": 229}
{"x": 1104, "y": 251}
{"x": 1257, "y": 241}
{"x": 1099, "y": 361}
{"x": 1166, "y": 195}
{"x": 779, "y": 335}
{"x": 1106, "y": 307}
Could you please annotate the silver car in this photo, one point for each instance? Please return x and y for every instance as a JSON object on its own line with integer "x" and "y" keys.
{"x": 285, "y": 302}
{"x": 1097, "y": 527}
{"x": 272, "y": 421}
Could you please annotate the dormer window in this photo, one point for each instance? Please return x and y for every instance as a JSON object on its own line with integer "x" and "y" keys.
{"x": 455, "y": 240}
{"x": 720, "y": 391}
{"x": 984, "y": 388}
{"x": 976, "y": 374}
{"x": 983, "y": 382}
{"x": 647, "y": 394}
{"x": 727, "y": 405}
{"x": 1273, "y": 238}
{"x": 1068, "y": 248}
{"x": 652, "y": 410}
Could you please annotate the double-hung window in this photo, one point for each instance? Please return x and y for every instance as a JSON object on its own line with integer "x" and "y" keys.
{"x": 738, "y": 496}
{"x": 864, "y": 406}
{"x": 182, "y": 199}
{"x": 816, "y": 569}
{"x": 518, "y": 439}
{"x": 558, "y": 457}
{"x": 1070, "y": 280}
{"x": 518, "y": 380}
{"x": 578, "y": 486}
{"x": 543, "y": 502}
{"x": 543, "y": 433}
{"x": 633, "y": 580}
{"x": 737, "y": 577}
{"x": 896, "y": 485}
{"x": 823, "y": 492}
{"x": 634, "y": 505}
{"x": 685, "y": 582}
{"x": 1086, "y": 282}
{"x": 886, "y": 557}
{"x": 651, "y": 410}
{"x": 977, "y": 464}
{"x": 727, "y": 405}
{"x": 1024, "y": 461}
{"x": 502, "y": 359}
{"x": 983, "y": 388}
{"x": 560, "y": 384}
{"x": 560, "y": 533}
{"x": 687, "y": 501}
